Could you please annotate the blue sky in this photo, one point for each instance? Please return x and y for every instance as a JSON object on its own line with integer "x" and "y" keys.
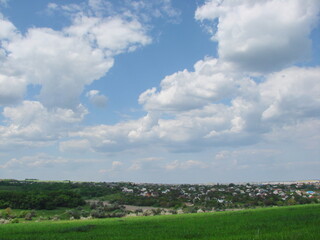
{"x": 160, "y": 91}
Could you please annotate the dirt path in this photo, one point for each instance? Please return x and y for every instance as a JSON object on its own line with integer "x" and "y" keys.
{"x": 128, "y": 207}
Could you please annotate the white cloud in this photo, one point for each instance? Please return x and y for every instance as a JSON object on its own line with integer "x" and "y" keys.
{"x": 245, "y": 118}
{"x": 63, "y": 62}
{"x": 31, "y": 121}
{"x": 43, "y": 160}
{"x": 12, "y": 89}
{"x": 97, "y": 99}
{"x": 107, "y": 138}
{"x": 211, "y": 81}
{"x": 39, "y": 160}
{"x": 145, "y": 164}
{"x": 116, "y": 164}
{"x": 304, "y": 134}
{"x": 7, "y": 29}
{"x": 260, "y": 36}
{"x": 183, "y": 165}
{"x": 291, "y": 94}
{"x": 53, "y": 60}
{"x": 218, "y": 105}
{"x": 114, "y": 34}
{"x": 75, "y": 146}
{"x": 52, "y": 6}
{"x": 143, "y": 10}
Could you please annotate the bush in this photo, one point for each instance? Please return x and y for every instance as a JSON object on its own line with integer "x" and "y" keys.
{"x": 28, "y": 216}
{"x": 22, "y": 214}
{"x": 113, "y": 207}
{"x": 41, "y": 218}
{"x": 98, "y": 213}
{"x": 190, "y": 209}
{"x": 173, "y": 211}
{"x": 33, "y": 213}
{"x": 117, "y": 213}
{"x": 74, "y": 214}
{"x": 14, "y": 220}
{"x": 156, "y": 211}
{"x": 85, "y": 213}
{"x": 139, "y": 210}
{"x": 55, "y": 218}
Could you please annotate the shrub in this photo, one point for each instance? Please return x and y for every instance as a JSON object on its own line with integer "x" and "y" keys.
{"x": 22, "y": 214}
{"x": 156, "y": 211}
{"x": 98, "y": 213}
{"x": 117, "y": 213}
{"x": 85, "y": 213}
{"x": 74, "y": 213}
{"x": 139, "y": 210}
{"x": 173, "y": 211}
{"x": 14, "y": 220}
{"x": 55, "y": 218}
{"x": 28, "y": 216}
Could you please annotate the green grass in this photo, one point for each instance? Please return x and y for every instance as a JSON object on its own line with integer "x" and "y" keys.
{"x": 282, "y": 223}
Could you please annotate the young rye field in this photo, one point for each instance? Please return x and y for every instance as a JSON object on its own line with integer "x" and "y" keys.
{"x": 280, "y": 223}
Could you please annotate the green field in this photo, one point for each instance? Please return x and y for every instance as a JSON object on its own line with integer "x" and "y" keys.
{"x": 278, "y": 223}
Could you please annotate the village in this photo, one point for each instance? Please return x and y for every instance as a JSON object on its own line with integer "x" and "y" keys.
{"x": 210, "y": 197}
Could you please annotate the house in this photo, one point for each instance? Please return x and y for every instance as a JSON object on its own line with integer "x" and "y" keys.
{"x": 127, "y": 190}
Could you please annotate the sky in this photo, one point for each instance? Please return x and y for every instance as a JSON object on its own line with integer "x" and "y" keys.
{"x": 161, "y": 91}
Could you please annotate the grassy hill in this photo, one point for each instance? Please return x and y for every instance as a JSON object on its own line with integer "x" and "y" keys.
{"x": 278, "y": 223}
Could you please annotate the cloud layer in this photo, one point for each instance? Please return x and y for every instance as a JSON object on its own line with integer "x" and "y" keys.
{"x": 254, "y": 106}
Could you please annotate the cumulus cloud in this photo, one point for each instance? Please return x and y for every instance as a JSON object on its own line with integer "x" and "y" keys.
{"x": 284, "y": 98}
{"x": 217, "y": 105}
{"x": 257, "y": 35}
{"x": 53, "y": 60}
{"x": 114, "y": 34}
{"x": 211, "y": 81}
{"x": 31, "y": 121}
{"x": 7, "y": 29}
{"x": 96, "y": 98}
{"x": 12, "y": 89}
{"x": 62, "y": 62}
{"x": 291, "y": 94}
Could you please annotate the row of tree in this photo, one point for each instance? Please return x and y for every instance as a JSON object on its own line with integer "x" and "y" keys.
{"x": 40, "y": 200}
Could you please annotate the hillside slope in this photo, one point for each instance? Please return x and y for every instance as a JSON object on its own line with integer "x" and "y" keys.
{"x": 280, "y": 223}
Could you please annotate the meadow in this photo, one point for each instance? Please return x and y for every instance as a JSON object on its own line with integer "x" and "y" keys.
{"x": 279, "y": 223}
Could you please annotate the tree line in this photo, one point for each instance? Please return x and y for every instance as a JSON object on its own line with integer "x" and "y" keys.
{"x": 40, "y": 200}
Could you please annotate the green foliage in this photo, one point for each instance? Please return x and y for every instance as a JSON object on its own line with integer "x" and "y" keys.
{"x": 28, "y": 217}
{"x": 15, "y": 220}
{"x": 98, "y": 213}
{"x": 73, "y": 213}
{"x": 190, "y": 209}
{"x": 39, "y": 200}
{"x": 156, "y": 211}
{"x": 107, "y": 211}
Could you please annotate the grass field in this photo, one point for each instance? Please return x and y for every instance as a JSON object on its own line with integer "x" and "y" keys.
{"x": 294, "y": 223}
